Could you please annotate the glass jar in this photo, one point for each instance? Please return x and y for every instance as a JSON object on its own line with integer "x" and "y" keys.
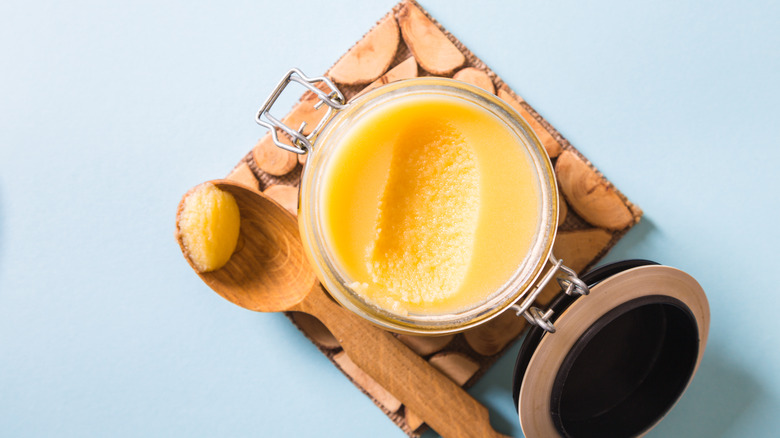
{"x": 310, "y": 217}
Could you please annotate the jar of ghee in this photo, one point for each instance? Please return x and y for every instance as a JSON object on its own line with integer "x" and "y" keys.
{"x": 428, "y": 206}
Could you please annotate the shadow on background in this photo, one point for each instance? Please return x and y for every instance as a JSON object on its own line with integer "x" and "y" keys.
{"x": 634, "y": 245}
{"x": 722, "y": 390}
{"x": 719, "y": 395}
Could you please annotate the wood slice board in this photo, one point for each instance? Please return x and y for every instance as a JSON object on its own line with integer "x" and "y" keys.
{"x": 405, "y": 43}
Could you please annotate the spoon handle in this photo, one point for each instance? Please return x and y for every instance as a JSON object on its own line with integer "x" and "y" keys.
{"x": 442, "y": 404}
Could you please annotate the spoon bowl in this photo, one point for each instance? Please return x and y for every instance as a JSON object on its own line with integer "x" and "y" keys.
{"x": 268, "y": 272}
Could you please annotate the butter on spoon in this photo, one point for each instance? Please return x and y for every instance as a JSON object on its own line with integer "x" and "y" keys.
{"x": 207, "y": 224}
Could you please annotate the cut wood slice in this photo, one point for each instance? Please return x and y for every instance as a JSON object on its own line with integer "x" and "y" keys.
{"x": 563, "y": 210}
{"x": 429, "y": 45}
{"x": 590, "y": 195}
{"x": 286, "y": 196}
{"x": 425, "y": 345}
{"x": 370, "y": 57}
{"x": 491, "y": 337}
{"x": 456, "y": 366}
{"x": 244, "y": 175}
{"x": 379, "y": 394}
{"x": 577, "y": 250}
{"x": 476, "y": 77}
{"x": 304, "y": 111}
{"x": 507, "y": 95}
{"x": 315, "y": 330}
{"x": 550, "y": 144}
{"x": 273, "y": 159}
{"x": 581, "y": 248}
{"x": 405, "y": 70}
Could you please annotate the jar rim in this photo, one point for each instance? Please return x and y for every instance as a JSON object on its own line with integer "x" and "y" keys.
{"x": 332, "y": 277}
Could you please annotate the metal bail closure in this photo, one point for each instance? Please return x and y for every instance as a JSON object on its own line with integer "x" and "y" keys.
{"x": 301, "y": 144}
{"x": 569, "y": 282}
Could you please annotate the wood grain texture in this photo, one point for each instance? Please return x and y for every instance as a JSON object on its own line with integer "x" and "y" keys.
{"x": 244, "y": 175}
{"x": 551, "y": 145}
{"x": 430, "y": 46}
{"x": 413, "y": 420}
{"x": 492, "y": 337}
{"x": 456, "y": 366}
{"x": 286, "y": 196}
{"x": 381, "y": 395}
{"x": 443, "y": 405}
{"x": 476, "y": 77}
{"x": 370, "y": 57}
{"x": 305, "y": 112}
{"x": 581, "y": 248}
{"x": 407, "y": 69}
{"x": 563, "y": 210}
{"x": 590, "y": 195}
{"x": 303, "y": 117}
{"x": 425, "y": 345}
{"x": 273, "y": 159}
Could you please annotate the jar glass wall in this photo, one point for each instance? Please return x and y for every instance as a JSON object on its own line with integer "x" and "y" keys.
{"x": 332, "y": 272}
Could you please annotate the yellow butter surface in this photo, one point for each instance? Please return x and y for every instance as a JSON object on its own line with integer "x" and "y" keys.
{"x": 209, "y": 223}
{"x": 430, "y": 204}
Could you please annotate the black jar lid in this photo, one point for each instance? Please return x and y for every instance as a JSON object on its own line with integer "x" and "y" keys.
{"x": 620, "y": 358}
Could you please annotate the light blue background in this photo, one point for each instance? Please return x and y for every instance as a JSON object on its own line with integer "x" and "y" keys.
{"x": 110, "y": 111}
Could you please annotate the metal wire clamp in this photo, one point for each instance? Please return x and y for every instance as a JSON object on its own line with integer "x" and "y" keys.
{"x": 301, "y": 144}
{"x": 569, "y": 282}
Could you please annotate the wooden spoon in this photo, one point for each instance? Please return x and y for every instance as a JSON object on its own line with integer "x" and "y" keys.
{"x": 269, "y": 273}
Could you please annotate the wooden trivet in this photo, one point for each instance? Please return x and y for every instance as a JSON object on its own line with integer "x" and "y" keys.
{"x": 408, "y": 43}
